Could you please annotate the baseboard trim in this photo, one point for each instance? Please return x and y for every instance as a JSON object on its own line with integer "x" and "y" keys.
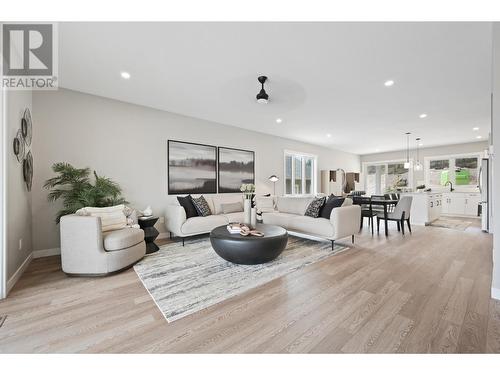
{"x": 46, "y": 252}
{"x": 495, "y": 293}
{"x": 17, "y": 275}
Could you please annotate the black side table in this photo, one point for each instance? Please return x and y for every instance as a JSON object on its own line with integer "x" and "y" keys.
{"x": 150, "y": 232}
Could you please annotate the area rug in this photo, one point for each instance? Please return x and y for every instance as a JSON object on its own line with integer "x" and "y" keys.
{"x": 184, "y": 280}
{"x": 451, "y": 224}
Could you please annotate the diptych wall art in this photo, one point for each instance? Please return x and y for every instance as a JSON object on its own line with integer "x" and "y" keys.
{"x": 195, "y": 168}
{"x": 236, "y": 167}
{"x": 192, "y": 168}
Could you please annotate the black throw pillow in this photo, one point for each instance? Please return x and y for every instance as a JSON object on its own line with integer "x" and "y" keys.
{"x": 188, "y": 205}
{"x": 331, "y": 203}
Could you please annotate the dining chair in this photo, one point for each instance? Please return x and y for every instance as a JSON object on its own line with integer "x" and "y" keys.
{"x": 366, "y": 211}
{"x": 393, "y": 196}
{"x": 377, "y": 208}
{"x": 400, "y": 214}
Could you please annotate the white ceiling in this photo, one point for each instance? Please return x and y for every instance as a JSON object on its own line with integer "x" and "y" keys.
{"x": 324, "y": 78}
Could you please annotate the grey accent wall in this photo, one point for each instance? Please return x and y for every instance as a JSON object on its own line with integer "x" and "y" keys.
{"x": 18, "y": 206}
{"x": 463, "y": 148}
{"x": 128, "y": 143}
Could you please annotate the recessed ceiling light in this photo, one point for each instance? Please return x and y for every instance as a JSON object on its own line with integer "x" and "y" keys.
{"x": 125, "y": 75}
{"x": 479, "y": 137}
{"x": 475, "y": 129}
{"x": 328, "y": 135}
{"x": 279, "y": 121}
{"x": 423, "y": 115}
{"x": 389, "y": 83}
{"x": 377, "y": 150}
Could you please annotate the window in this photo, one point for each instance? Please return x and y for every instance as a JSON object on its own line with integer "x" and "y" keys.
{"x": 382, "y": 177}
{"x": 458, "y": 169}
{"x": 438, "y": 169}
{"x": 300, "y": 174}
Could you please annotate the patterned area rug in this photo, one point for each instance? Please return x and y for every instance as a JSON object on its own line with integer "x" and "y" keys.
{"x": 184, "y": 280}
{"x": 451, "y": 224}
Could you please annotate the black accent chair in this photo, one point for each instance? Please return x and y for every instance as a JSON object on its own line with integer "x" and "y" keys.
{"x": 366, "y": 210}
{"x": 400, "y": 214}
{"x": 396, "y": 196}
{"x": 378, "y": 208}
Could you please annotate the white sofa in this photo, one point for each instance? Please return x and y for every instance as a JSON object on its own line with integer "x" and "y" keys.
{"x": 288, "y": 213}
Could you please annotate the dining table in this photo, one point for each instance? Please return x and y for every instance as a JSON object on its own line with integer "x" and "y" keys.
{"x": 386, "y": 203}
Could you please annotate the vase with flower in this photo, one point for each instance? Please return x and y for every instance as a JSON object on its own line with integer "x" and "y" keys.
{"x": 248, "y": 191}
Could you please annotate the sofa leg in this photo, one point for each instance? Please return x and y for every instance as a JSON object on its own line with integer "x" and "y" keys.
{"x": 333, "y": 244}
{"x": 182, "y": 241}
{"x": 352, "y": 238}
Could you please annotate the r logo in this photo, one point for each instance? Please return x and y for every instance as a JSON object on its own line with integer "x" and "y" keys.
{"x": 28, "y": 49}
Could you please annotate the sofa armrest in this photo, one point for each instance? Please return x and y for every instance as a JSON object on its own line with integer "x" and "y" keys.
{"x": 345, "y": 221}
{"x": 175, "y": 216}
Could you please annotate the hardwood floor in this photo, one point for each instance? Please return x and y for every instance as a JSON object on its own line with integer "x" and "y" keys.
{"x": 425, "y": 292}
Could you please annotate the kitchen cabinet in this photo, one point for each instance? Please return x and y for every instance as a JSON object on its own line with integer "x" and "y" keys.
{"x": 425, "y": 207}
{"x": 460, "y": 204}
{"x": 471, "y": 204}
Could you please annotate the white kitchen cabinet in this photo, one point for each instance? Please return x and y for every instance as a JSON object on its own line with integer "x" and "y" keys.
{"x": 460, "y": 204}
{"x": 425, "y": 208}
{"x": 471, "y": 203}
{"x": 457, "y": 204}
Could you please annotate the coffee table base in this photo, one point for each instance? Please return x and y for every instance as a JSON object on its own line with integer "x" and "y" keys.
{"x": 249, "y": 250}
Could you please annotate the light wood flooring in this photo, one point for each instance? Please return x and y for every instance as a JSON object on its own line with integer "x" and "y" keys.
{"x": 425, "y": 292}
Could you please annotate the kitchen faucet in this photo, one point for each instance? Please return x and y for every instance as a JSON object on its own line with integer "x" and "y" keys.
{"x": 451, "y": 185}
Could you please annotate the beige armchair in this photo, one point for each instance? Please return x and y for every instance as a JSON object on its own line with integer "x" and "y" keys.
{"x": 87, "y": 251}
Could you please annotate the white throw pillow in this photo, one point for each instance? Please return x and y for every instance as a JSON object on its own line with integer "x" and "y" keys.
{"x": 265, "y": 204}
{"x": 112, "y": 218}
{"x": 228, "y": 208}
{"x": 219, "y": 200}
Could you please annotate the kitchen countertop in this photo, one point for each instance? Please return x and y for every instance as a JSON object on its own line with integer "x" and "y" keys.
{"x": 444, "y": 191}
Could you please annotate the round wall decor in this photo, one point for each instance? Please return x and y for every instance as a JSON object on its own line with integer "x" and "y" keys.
{"x": 27, "y": 127}
{"x": 28, "y": 170}
{"x": 19, "y": 147}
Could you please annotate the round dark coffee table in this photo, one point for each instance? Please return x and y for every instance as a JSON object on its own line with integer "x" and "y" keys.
{"x": 239, "y": 249}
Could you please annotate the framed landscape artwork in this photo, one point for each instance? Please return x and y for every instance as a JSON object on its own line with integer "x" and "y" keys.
{"x": 192, "y": 168}
{"x": 236, "y": 167}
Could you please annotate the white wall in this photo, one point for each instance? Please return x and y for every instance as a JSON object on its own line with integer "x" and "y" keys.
{"x": 463, "y": 148}
{"x": 495, "y": 133}
{"x": 128, "y": 144}
{"x": 18, "y": 205}
{"x": 3, "y": 180}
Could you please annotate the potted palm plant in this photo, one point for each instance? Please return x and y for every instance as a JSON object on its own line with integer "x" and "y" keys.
{"x": 76, "y": 189}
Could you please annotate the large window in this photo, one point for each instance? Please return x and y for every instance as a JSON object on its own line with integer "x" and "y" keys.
{"x": 300, "y": 173}
{"x": 382, "y": 177}
{"x": 458, "y": 169}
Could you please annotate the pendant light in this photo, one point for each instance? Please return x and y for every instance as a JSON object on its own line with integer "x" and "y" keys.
{"x": 407, "y": 164}
{"x": 418, "y": 165}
